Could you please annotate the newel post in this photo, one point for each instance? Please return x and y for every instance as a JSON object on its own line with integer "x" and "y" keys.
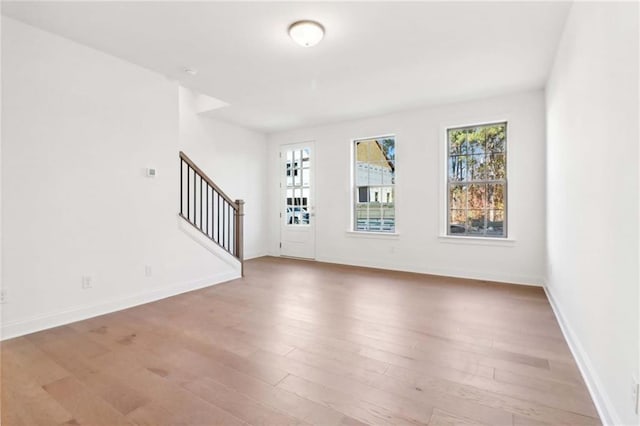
{"x": 239, "y": 234}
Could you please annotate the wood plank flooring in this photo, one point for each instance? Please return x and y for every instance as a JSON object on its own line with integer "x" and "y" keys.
{"x": 299, "y": 342}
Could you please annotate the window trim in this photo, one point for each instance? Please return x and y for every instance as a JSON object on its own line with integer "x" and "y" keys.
{"x": 373, "y": 234}
{"x": 444, "y": 235}
{"x": 351, "y": 230}
{"x": 477, "y": 241}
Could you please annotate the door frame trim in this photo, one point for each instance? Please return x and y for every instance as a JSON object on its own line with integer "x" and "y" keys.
{"x": 282, "y": 183}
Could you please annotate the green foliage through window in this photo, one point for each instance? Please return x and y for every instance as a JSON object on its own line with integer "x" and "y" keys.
{"x": 477, "y": 180}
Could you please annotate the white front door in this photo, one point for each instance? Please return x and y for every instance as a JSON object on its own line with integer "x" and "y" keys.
{"x": 298, "y": 222}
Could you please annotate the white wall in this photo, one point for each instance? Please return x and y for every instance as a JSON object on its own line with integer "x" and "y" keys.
{"x": 79, "y": 128}
{"x": 1, "y": 239}
{"x": 234, "y": 157}
{"x": 420, "y": 192}
{"x": 592, "y": 194}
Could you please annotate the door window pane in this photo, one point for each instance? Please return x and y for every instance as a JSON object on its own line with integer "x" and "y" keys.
{"x": 306, "y": 175}
{"x": 298, "y": 186}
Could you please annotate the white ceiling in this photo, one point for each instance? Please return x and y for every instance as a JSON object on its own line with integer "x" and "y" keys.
{"x": 375, "y": 58}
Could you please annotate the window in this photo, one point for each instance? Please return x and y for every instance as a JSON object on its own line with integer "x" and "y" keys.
{"x": 477, "y": 181}
{"x": 374, "y": 177}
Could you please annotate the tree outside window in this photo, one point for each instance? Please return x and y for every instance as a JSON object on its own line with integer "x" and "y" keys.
{"x": 477, "y": 180}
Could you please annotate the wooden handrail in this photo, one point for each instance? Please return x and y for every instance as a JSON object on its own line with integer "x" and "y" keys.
{"x": 207, "y": 179}
{"x": 221, "y": 221}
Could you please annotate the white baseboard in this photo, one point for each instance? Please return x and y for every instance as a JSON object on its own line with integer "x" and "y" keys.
{"x": 43, "y": 322}
{"x": 473, "y": 275}
{"x": 601, "y": 400}
{"x": 255, "y": 255}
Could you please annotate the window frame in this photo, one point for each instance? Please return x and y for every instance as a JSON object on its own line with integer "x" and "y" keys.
{"x": 352, "y": 230}
{"x": 446, "y": 222}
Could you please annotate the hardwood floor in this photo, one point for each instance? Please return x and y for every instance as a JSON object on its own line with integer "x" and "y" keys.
{"x": 298, "y": 342}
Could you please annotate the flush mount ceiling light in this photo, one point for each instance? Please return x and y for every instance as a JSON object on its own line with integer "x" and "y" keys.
{"x": 306, "y": 33}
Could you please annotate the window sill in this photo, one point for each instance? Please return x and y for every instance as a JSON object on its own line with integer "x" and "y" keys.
{"x": 375, "y": 235}
{"x": 479, "y": 241}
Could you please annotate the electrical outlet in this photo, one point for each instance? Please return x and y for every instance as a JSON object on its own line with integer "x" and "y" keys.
{"x": 3, "y": 296}
{"x": 148, "y": 271}
{"x": 87, "y": 282}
